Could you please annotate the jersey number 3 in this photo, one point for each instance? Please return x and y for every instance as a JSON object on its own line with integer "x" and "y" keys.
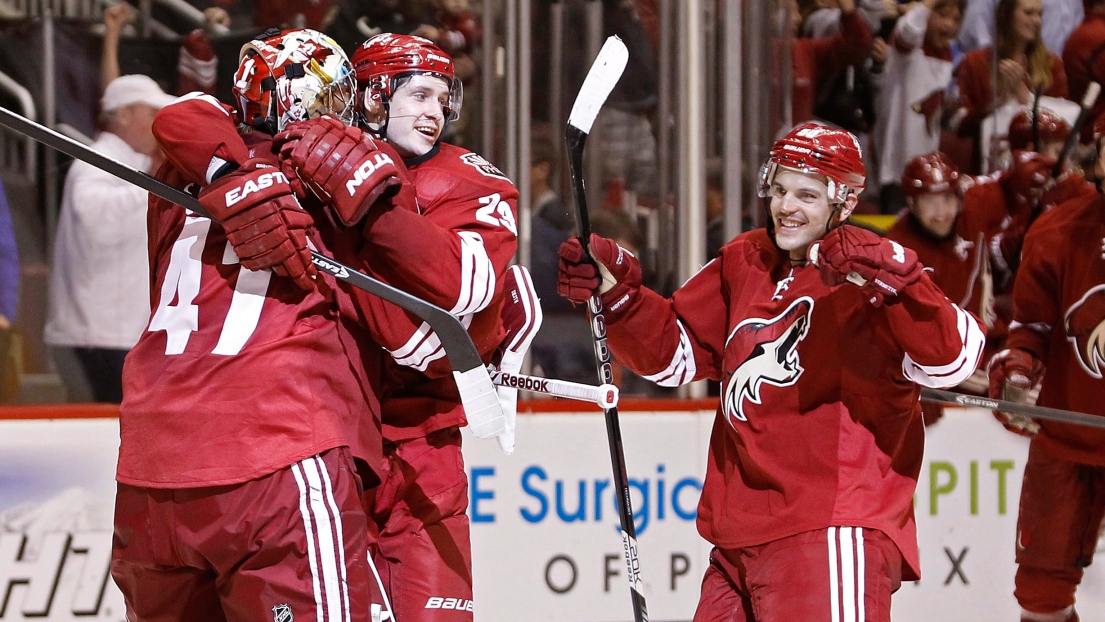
{"x": 182, "y": 285}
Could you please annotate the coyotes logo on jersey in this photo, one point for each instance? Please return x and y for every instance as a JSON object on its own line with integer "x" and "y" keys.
{"x": 1085, "y": 326}
{"x": 768, "y": 351}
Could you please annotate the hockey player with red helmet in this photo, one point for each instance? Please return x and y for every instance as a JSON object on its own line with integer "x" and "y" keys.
{"x": 453, "y": 249}
{"x": 818, "y": 439}
{"x": 1051, "y": 129}
{"x": 247, "y": 410}
{"x": 953, "y": 242}
{"x": 1057, "y": 342}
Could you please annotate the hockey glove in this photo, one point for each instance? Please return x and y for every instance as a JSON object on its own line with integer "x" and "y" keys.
{"x": 611, "y": 271}
{"x": 1013, "y": 373}
{"x": 883, "y": 266}
{"x": 263, "y": 221}
{"x": 343, "y": 166}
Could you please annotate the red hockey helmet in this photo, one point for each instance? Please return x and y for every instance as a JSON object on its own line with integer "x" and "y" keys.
{"x": 1052, "y": 127}
{"x": 931, "y": 173}
{"x": 1027, "y": 178}
{"x": 384, "y": 59}
{"x": 291, "y": 76}
{"x": 812, "y": 148}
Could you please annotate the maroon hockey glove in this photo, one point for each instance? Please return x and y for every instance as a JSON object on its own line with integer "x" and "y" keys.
{"x": 1012, "y": 374}
{"x": 578, "y": 279}
{"x": 343, "y": 166}
{"x": 883, "y": 265}
{"x": 263, "y": 221}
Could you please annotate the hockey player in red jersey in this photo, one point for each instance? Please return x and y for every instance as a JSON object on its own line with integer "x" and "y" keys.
{"x": 248, "y": 407}
{"x": 952, "y": 241}
{"x": 453, "y": 249}
{"x": 1057, "y": 340}
{"x": 818, "y": 440}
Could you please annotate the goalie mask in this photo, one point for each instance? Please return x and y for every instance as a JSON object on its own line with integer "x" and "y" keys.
{"x": 814, "y": 149}
{"x": 292, "y": 76}
{"x": 381, "y": 64}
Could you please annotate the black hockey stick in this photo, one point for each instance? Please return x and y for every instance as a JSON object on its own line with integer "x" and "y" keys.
{"x": 477, "y": 393}
{"x": 600, "y": 80}
{"x": 1088, "y": 100}
{"x": 1014, "y": 408}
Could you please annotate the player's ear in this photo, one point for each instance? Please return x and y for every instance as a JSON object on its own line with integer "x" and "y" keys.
{"x": 848, "y": 207}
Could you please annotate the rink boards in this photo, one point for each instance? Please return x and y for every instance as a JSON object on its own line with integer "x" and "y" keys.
{"x": 544, "y": 524}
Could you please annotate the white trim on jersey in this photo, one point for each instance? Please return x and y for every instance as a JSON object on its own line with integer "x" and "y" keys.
{"x": 682, "y": 368}
{"x": 423, "y": 347}
{"x": 477, "y": 275}
{"x": 325, "y": 539}
{"x": 847, "y": 567}
{"x": 943, "y": 376}
{"x": 1041, "y": 327}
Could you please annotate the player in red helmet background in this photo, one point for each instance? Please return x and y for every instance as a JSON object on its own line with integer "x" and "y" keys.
{"x": 1057, "y": 342}
{"x": 815, "y": 450}
{"x": 1051, "y": 128}
{"x": 453, "y": 248}
{"x": 951, "y": 240}
{"x": 250, "y": 420}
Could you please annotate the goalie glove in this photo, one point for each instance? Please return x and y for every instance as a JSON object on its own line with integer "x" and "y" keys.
{"x": 263, "y": 221}
{"x": 1012, "y": 374}
{"x": 521, "y": 317}
{"x": 611, "y": 272}
{"x": 883, "y": 266}
{"x": 341, "y": 165}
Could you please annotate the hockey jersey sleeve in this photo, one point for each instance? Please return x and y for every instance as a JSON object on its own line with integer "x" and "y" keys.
{"x": 942, "y": 342}
{"x": 453, "y": 253}
{"x": 673, "y": 341}
{"x": 197, "y": 152}
{"x": 1035, "y": 295}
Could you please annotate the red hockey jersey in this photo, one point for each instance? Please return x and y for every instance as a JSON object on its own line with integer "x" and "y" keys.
{"x": 1059, "y": 316}
{"x": 239, "y": 373}
{"x": 453, "y": 251}
{"x": 819, "y": 422}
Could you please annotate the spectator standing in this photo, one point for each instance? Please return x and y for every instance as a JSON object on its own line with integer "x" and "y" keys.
{"x": 9, "y": 297}
{"x": 1055, "y": 343}
{"x": 1084, "y": 61}
{"x": 98, "y": 299}
{"x": 816, "y": 60}
{"x": 1024, "y": 66}
{"x": 910, "y": 102}
{"x": 815, "y": 452}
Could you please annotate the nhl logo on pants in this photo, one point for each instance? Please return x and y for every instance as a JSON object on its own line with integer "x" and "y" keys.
{"x": 282, "y": 613}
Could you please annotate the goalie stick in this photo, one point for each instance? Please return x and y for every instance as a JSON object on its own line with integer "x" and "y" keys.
{"x": 1013, "y": 408}
{"x": 600, "y": 80}
{"x": 477, "y": 393}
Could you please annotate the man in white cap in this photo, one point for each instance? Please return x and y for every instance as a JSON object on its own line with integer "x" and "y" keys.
{"x": 99, "y": 286}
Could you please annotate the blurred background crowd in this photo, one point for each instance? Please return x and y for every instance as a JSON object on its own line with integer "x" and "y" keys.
{"x": 672, "y": 160}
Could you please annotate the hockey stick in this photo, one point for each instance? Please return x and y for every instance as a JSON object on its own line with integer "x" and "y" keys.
{"x": 600, "y": 80}
{"x": 481, "y": 405}
{"x": 1013, "y": 408}
{"x": 605, "y": 395}
{"x": 1088, "y": 100}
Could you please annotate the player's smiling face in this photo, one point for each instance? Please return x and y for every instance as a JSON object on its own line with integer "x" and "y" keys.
{"x": 801, "y": 211}
{"x": 936, "y": 212}
{"x": 416, "y": 116}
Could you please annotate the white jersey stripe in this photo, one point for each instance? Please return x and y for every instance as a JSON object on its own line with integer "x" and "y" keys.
{"x": 847, "y": 575}
{"x": 322, "y": 525}
{"x": 943, "y": 376}
{"x": 861, "y": 577}
{"x": 682, "y": 368}
{"x": 477, "y": 275}
{"x": 424, "y": 347}
{"x": 339, "y": 537}
{"x": 308, "y": 529}
{"x": 834, "y": 577}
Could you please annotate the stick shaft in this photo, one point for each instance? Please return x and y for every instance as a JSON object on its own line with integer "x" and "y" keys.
{"x": 1030, "y": 410}
{"x": 604, "y": 395}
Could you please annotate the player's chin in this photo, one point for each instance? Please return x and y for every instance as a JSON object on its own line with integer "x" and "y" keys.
{"x": 792, "y": 238}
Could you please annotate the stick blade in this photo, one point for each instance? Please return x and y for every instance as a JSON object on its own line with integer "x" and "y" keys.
{"x": 600, "y": 80}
